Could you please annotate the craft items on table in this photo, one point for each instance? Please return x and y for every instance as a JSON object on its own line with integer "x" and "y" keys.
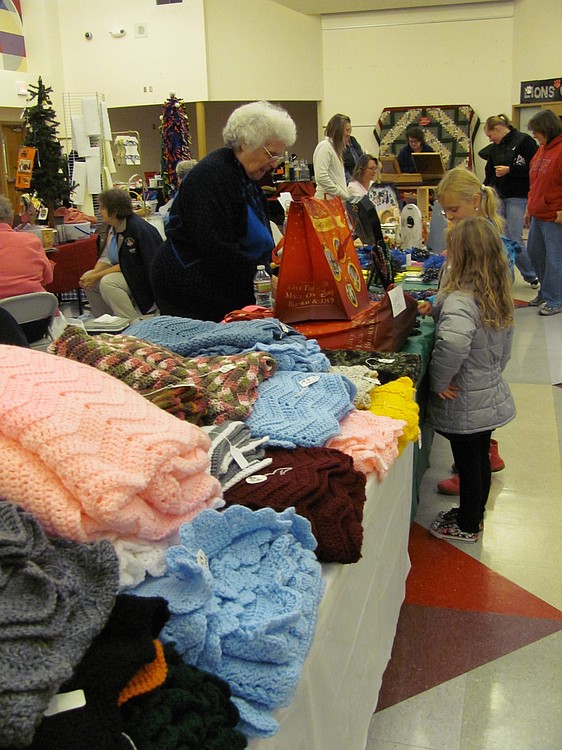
{"x": 234, "y": 453}
{"x": 55, "y": 597}
{"x": 363, "y": 378}
{"x": 192, "y": 709}
{"x": 388, "y": 365}
{"x": 191, "y": 338}
{"x": 370, "y": 440}
{"x": 294, "y": 408}
{"x": 397, "y": 399}
{"x": 90, "y": 457}
{"x": 203, "y": 390}
{"x": 243, "y": 589}
{"x": 125, "y": 644}
{"x": 322, "y": 485}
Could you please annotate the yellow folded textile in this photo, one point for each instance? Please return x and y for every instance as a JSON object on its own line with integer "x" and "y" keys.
{"x": 397, "y": 399}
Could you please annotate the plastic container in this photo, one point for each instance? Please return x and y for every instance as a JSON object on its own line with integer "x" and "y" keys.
{"x": 262, "y": 288}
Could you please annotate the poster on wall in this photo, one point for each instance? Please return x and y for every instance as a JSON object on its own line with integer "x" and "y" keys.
{"x": 26, "y": 157}
{"x": 547, "y": 90}
{"x": 12, "y": 41}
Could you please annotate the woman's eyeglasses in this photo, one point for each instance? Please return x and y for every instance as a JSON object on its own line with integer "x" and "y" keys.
{"x": 273, "y": 157}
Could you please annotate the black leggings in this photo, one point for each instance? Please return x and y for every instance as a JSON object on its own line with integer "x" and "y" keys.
{"x": 472, "y": 459}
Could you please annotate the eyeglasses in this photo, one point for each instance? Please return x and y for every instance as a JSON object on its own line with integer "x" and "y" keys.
{"x": 273, "y": 157}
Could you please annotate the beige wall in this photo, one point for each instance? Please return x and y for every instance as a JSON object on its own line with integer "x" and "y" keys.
{"x": 257, "y": 49}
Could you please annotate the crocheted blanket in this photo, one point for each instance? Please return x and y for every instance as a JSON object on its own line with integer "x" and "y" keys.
{"x": 203, "y": 390}
{"x": 322, "y": 485}
{"x": 294, "y": 409}
{"x": 190, "y": 338}
{"x": 370, "y": 440}
{"x": 243, "y": 589}
{"x": 89, "y": 457}
{"x": 55, "y": 597}
{"x": 397, "y": 400}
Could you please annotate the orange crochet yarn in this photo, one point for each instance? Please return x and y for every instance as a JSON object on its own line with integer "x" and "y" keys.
{"x": 147, "y": 678}
{"x": 397, "y": 400}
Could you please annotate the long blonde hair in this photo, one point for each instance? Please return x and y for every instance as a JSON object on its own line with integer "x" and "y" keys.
{"x": 466, "y": 185}
{"x": 478, "y": 264}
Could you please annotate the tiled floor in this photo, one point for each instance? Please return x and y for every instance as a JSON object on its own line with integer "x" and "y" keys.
{"x": 477, "y": 658}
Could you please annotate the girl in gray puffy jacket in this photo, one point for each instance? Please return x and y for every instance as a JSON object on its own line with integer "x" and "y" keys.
{"x": 469, "y": 398}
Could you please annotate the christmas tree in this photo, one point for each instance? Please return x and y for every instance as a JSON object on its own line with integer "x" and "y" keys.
{"x": 49, "y": 179}
{"x": 176, "y": 141}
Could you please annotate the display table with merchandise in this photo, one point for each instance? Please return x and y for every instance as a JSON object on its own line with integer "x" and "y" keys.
{"x": 339, "y": 685}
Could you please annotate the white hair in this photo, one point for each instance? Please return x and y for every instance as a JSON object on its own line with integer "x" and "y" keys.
{"x": 6, "y": 210}
{"x": 184, "y": 167}
{"x": 252, "y": 125}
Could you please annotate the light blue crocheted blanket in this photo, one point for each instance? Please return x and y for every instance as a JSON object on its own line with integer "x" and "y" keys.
{"x": 294, "y": 409}
{"x": 243, "y": 589}
{"x": 192, "y": 338}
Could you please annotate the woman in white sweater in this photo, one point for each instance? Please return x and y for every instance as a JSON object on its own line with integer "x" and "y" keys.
{"x": 329, "y": 172}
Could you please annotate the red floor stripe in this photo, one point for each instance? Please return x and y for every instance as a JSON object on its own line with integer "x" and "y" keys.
{"x": 444, "y": 576}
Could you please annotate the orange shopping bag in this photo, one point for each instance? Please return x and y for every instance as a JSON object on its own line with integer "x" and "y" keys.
{"x": 320, "y": 277}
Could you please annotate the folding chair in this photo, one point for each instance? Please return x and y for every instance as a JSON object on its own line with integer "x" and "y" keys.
{"x": 35, "y": 313}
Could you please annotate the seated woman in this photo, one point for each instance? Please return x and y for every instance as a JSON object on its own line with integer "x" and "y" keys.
{"x": 416, "y": 144}
{"x": 24, "y": 267}
{"x": 363, "y": 176}
{"x": 119, "y": 283}
{"x": 219, "y": 229}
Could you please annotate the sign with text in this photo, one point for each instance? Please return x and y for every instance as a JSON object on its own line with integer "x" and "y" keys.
{"x": 26, "y": 158}
{"x": 548, "y": 90}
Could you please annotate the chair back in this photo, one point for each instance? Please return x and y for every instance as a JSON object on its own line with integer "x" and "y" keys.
{"x": 35, "y": 313}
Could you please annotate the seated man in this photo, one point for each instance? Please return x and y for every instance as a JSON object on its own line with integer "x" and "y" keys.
{"x": 416, "y": 144}
{"x": 119, "y": 284}
{"x": 24, "y": 267}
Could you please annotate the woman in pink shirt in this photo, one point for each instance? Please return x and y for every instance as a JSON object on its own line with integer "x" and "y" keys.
{"x": 24, "y": 267}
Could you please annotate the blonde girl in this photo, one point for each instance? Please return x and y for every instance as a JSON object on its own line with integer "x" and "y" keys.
{"x": 469, "y": 398}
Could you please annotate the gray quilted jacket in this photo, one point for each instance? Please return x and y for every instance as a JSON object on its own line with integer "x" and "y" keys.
{"x": 472, "y": 357}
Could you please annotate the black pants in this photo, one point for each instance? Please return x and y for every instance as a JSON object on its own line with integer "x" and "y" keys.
{"x": 472, "y": 459}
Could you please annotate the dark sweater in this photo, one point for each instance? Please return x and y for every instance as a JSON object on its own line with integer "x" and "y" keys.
{"x": 140, "y": 242}
{"x": 405, "y": 158}
{"x": 206, "y": 267}
{"x": 515, "y": 151}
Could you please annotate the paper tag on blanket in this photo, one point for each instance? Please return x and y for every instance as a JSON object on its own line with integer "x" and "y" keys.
{"x": 397, "y": 300}
{"x": 201, "y": 559}
{"x": 65, "y": 702}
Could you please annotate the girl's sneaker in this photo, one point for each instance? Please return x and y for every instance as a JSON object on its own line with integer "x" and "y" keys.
{"x": 450, "y": 530}
{"x": 452, "y": 516}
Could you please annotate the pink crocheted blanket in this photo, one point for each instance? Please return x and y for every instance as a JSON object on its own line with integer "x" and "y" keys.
{"x": 91, "y": 458}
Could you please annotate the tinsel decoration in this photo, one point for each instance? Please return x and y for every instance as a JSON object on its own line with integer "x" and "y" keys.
{"x": 50, "y": 172}
{"x": 176, "y": 141}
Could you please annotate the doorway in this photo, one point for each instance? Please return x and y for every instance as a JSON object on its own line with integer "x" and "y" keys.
{"x": 11, "y": 136}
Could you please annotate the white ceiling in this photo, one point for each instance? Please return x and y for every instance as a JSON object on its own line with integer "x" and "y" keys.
{"x": 321, "y": 7}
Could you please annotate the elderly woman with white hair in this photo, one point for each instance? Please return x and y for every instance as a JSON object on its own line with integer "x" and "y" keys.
{"x": 218, "y": 230}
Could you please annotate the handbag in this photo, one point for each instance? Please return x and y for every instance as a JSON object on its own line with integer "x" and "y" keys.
{"x": 320, "y": 276}
{"x": 373, "y": 329}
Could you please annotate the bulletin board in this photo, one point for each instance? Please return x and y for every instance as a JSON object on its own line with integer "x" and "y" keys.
{"x": 450, "y": 130}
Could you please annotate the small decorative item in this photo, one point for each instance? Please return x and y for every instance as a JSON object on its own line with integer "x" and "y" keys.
{"x": 176, "y": 141}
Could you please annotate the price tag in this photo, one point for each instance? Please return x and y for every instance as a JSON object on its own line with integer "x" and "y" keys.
{"x": 310, "y": 380}
{"x": 65, "y": 702}
{"x": 397, "y": 300}
{"x": 201, "y": 559}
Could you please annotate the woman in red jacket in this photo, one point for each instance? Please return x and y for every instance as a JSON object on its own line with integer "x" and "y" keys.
{"x": 544, "y": 211}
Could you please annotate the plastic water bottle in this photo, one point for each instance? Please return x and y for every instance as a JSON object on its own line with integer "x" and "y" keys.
{"x": 262, "y": 288}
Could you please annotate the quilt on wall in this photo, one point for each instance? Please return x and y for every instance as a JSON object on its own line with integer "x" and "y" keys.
{"x": 449, "y": 129}
{"x": 12, "y": 42}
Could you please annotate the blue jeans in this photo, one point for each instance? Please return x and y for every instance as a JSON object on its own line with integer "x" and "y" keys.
{"x": 545, "y": 251}
{"x": 513, "y": 211}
